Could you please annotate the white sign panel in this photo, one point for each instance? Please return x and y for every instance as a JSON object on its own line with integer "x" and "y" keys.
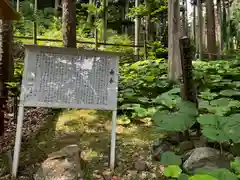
{"x": 69, "y": 78}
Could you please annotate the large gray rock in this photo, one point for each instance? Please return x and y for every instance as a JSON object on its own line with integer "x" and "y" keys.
{"x": 65, "y": 164}
{"x": 204, "y": 157}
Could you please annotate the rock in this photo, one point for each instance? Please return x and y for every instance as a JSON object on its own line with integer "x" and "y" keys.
{"x": 185, "y": 146}
{"x": 204, "y": 157}
{"x": 140, "y": 165}
{"x": 159, "y": 147}
{"x": 64, "y": 164}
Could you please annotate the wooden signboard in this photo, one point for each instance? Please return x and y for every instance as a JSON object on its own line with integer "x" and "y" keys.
{"x": 7, "y": 12}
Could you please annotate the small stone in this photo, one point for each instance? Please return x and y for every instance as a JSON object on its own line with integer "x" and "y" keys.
{"x": 132, "y": 173}
{"x": 140, "y": 165}
{"x": 143, "y": 175}
{"x": 116, "y": 178}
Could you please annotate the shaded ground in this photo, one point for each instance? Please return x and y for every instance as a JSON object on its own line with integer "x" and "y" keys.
{"x": 91, "y": 131}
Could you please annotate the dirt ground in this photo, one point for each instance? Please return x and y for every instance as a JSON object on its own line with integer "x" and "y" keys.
{"x": 91, "y": 131}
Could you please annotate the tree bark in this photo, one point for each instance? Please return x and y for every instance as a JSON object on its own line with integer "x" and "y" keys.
{"x": 137, "y": 32}
{"x": 219, "y": 15}
{"x": 6, "y": 66}
{"x": 174, "y": 60}
{"x": 211, "y": 34}
{"x": 200, "y": 29}
{"x": 69, "y": 23}
{"x": 194, "y": 24}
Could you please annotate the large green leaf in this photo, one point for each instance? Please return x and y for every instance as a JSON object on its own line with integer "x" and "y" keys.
{"x": 215, "y": 134}
{"x": 183, "y": 177}
{"x": 223, "y": 174}
{"x": 203, "y": 104}
{"x": 187, "y": 107}
{"x": 220, "y": 102}
{"x": 208, "y": 119}
{"x": 170, "y": 158}
{"x": 213, "y": 127}
{"x": 207, "y": 95}
{"x": 166, "y": 100}
{"x": 140, "y": 112}
{"x": 230, "y": 92}
{"x": 232, "y": 127}
{"x": 172, "y": 171}
{"x": 235, "y": 165}
{"x": 202, "y": 177}
{"x": 173, "y": 122}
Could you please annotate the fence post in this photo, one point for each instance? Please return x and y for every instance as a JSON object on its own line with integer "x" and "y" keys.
{"x": 188, "y": 91}
{"x": 96, "y": 38}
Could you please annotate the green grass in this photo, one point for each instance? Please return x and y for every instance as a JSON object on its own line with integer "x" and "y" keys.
{"x": 91, "y": 131}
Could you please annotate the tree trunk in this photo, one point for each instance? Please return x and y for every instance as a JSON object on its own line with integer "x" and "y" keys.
{"x": 224, "y": 24}
{"x": 219, "y": 15}
{"x": 194, "y": 24}
{"x": 69, "y": 23}
{"x": 126, "y": 15}
{"x": 200, "y": 33}
{"x": 6, "y": 67}
{"x": 174, "y": 60}
{"x": 137, "y": 34}
{"x": 211, "y": 35}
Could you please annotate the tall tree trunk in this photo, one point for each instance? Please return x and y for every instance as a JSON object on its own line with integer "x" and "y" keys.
{"x": 219, "y": 15}
{"x": 69, "y": 23}
{"x": 6, "y": 66}
{"x": 137, "y": 32}
{"x": 211, "y": 35}
{"x": 224, "y": 25}
{"x": 229, "y": 37}
{"x": 200, "y": 29}
{"x": 184, "y": 18}
{"x": 174, "y": 59}
{"x": 194, "y": 24}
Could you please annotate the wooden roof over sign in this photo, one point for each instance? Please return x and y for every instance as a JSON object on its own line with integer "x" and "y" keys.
{"x": 7, "y": 12}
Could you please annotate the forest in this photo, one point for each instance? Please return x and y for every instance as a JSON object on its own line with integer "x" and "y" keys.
{"x": 178, "y": 90}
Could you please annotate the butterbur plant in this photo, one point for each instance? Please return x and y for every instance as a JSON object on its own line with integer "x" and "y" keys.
{"x": 173, "y": 170}
{"x": 179, "y": 118}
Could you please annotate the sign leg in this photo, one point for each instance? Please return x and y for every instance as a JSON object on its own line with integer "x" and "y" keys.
{"x": 113, "y": 139}
{"x": 18, "y": 140}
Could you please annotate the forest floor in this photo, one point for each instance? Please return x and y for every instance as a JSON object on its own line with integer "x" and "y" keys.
{"x": 91, "y": 131}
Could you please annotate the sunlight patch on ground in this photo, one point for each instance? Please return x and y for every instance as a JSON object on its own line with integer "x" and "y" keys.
{"x": 91, "y": 130}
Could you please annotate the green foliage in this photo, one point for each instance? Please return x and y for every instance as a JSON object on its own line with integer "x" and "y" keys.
{"x": 158, "y": 50}
{"x": 235, "y": 165}
{"x": 219, "y": 128}
{"x": 172, "y": 171}
{"x": 182, "y": 119}
{"x": 170, "y": 158}
{"x": 202, "y": 177}
{"x": 14, "y": 85}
